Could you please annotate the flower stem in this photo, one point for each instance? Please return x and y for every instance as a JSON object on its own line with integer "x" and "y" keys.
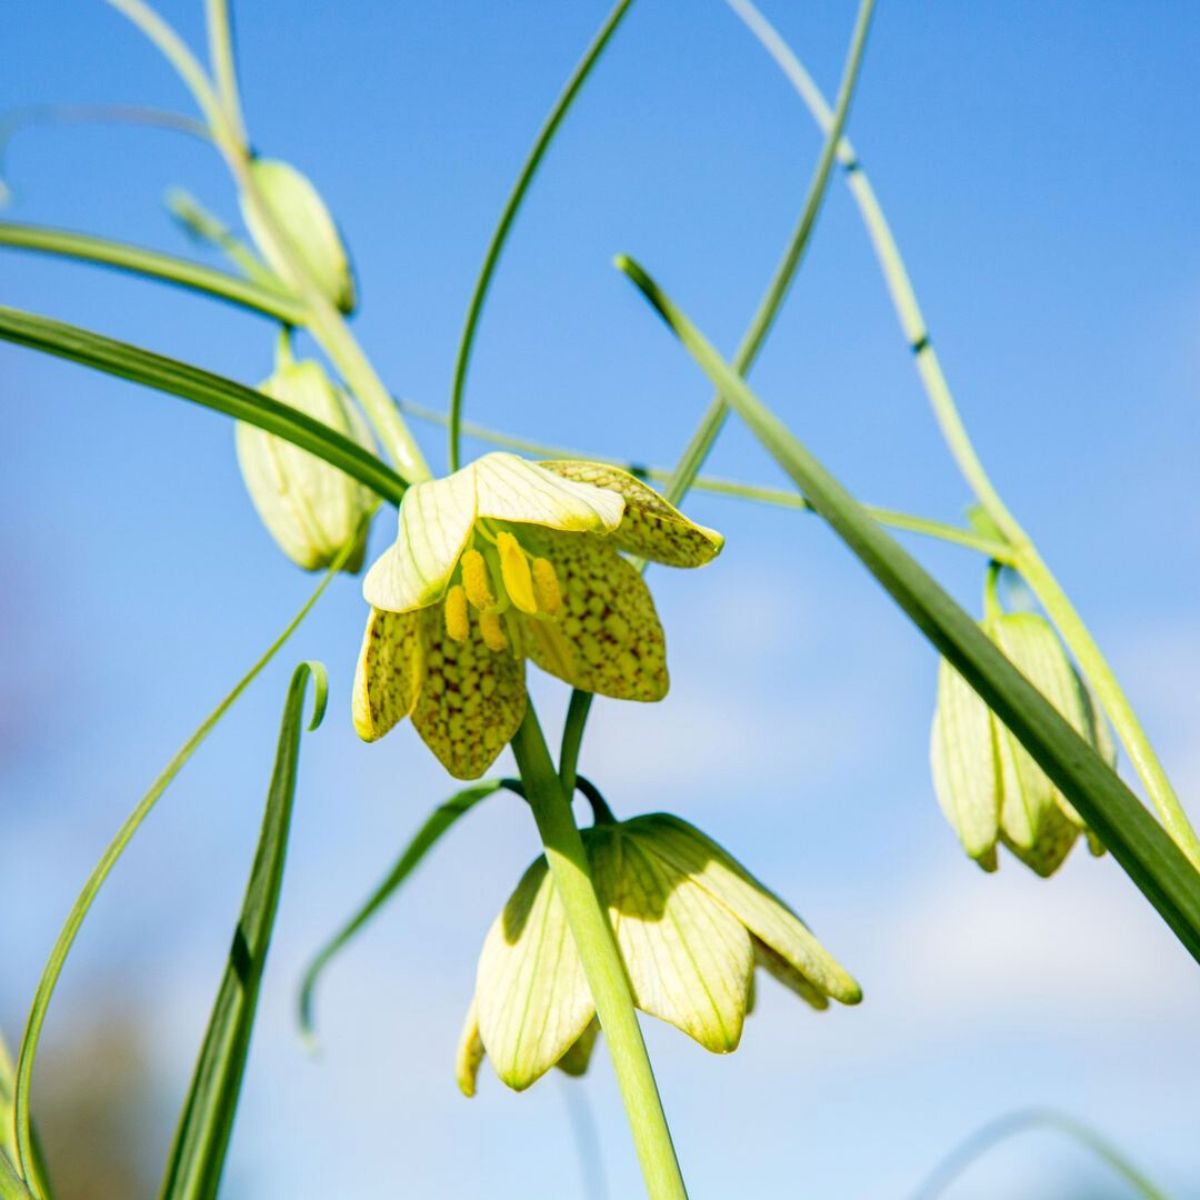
{"x": 1024, "y": 555}
{"x": 511, "y": 206}
{"x": 602, "y": 963}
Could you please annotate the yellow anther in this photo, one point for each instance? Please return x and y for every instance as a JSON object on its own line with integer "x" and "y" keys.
{"x": 514, "y": 569}
{"x": 545, "y": 586}
{"x": 457, "y": 625}
{"x": 493, "y": 631}
{"x": 475, "y": 580}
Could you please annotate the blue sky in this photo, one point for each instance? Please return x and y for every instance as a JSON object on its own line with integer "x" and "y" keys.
{"x": 1036, "y": 163}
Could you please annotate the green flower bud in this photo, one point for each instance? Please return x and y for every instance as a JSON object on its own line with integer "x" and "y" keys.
{"x": 988, "y": 786}
{"x": 310, "y": 508}
{"x": 691, "y": 924}
{"x": 303, "y": 219}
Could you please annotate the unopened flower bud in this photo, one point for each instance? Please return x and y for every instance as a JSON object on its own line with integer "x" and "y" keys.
{"x": 691, "y": 925}
{"x": 302, "y": 218}
{"x": 988, "y": 786}
{"x": 309, "y": 507}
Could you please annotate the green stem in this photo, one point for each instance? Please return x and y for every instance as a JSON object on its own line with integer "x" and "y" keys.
{"x": 991, "y": 1135}
{"x": 224, "y": 64}
{"x": 702, "y": 441}
{"x": 777, "y": 497}
{"x": 512, "y": 205}
{"x": 152, "y": 265}
{"x": 568, "y": 862}
{"x": 1025, "y": 556}
{"x": 27, "y": 1159}
{"x": 323, "y": 320}
{"x": 752, "y": 341}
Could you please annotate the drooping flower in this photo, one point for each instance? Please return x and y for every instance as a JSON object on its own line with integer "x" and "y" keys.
{"x": 506, "y": 560}
{"x": 988, "y": 786}
{"x": 691, "y": 924}
{"x": 310, "y": 508}
{"x": 302, "y": 218}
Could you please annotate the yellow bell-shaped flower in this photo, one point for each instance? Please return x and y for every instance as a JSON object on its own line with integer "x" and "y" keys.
{"x": 988, "y": 786}
{"x": 691, "y": 924}
{"x": 506, "y": 560}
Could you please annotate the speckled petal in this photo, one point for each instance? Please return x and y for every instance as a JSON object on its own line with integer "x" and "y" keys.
{"x": 436, "y": 518}
{"x": 689, "y": 959}
{"x": 766, "y": 916}
{"x": 509, "y": 488}
{"x": 652, "y": 528}
{"x": 531, "y": 996}
{"x": 471, "y": 699}
{"x": 389, "y": 671}
{"x": 606, "y": 637}
{"x": 1054, "y": 841}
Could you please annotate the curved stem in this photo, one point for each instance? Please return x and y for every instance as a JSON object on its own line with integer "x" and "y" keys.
{"x": 26, "y": 1153}
{"x": 1025, "y": 556}
{"x": 777, "y": 497}
{"x": 992, "y": 1134}
{"x": 702, "y": 441}
{"x": 508, "y": 215}
{"x": 602, "y": 965}
{"x": 224, "y": 63}
{"x": 152, "y": 265}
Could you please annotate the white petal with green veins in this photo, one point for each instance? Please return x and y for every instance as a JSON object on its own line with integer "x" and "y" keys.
{"x": 509, "y": 488}
{"x": 762, "y": 912}
{"x": 532, "y": 999}
{"x": 964, "y": 768}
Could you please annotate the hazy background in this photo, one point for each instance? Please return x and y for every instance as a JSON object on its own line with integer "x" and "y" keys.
{"x": 1040, "y": 165}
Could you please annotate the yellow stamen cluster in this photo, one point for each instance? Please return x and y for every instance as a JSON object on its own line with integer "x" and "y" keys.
{"x": 528, "y": 584}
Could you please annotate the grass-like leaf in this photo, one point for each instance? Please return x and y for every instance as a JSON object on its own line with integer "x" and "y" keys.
{"x": 201, "y": 387}
{"x": 438, "y": 822}
{"x": 150, "y": 264}
{"x": 198, "y": 1153}
{"x": 1137, "y": 841}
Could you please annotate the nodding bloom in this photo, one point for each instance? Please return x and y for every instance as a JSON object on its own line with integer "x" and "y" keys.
{"x": 311, "y": 509}
{"x": 988, "y": 786}
{"x": 506, "y": 560}
{"x": 691, "y": 924}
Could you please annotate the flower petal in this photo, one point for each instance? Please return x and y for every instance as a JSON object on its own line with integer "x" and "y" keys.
{"x": 652, "y": 527}
{"x": 470, "y": 1053}
{"x": 1054, "y": 841}
{"x": 389, "y": 672}
{"x": 776, "y": 965}
{"x": 762, "y": 912}
{"x": 688, "y": 958}
{"x": 531, "y": 996}
{"x": 964, "y": 766}
{"x": 436, "y": 518}
{"x": 606, "y": 636}
{"x": 471, "y": 699}
{"x": 579, "y": 1056}
{"x": 509, "y": 488}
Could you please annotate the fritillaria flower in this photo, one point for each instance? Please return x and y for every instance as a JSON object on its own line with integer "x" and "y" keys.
{"x": 507, "y": 560}
{"x": 691, "y": 924}
{"x": 988, "y": 786}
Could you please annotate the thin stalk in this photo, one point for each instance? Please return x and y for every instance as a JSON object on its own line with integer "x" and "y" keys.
{"x": 992, "y": 1134}
{"x": 27, "y": 1158}
{"x": 207, "y": 227}
{"x": 706, "y": 434}
{"x": 777, "y": 497}
{"x": 500, "y": 235}
{"x": 151, "y": 265}
{"x": 1025, "y": 557}
{"x": 704, "y": 438}
{"x": 224, "y": 63}
{"x": 323, "y": 320}
{"x": 602, "y": 965}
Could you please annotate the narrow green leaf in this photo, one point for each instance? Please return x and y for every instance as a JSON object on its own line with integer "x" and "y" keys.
{"x": 198, "y": 1153}
{"x": 1138, "y": 842}
{"x": 439, "y": 821}
{"x": 27, "y": 1156}
{"x": 12, "y": 1187}
{"x": 152, "y": 265}
{"x": 201, "y": 387}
